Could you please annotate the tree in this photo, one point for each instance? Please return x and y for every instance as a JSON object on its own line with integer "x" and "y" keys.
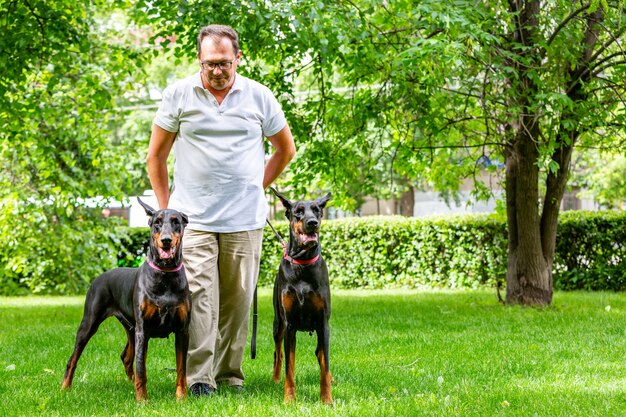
{"x": 527, "y": 81}
{"x": 564, "y": 82}
{"x": 64, "y": 66}
{"x": 427, "y": 90}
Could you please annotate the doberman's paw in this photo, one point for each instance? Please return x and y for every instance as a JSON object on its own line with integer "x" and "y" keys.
{"x": 327, "y": 400}
{"x": 141, "y": 396}
{"x": 290, "y": 395}
{"x": 181, "y": 394}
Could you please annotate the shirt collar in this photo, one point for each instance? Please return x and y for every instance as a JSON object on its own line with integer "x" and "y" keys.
{"x": 237, "y": 85}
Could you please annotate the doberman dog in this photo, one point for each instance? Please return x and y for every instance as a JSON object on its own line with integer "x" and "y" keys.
{"x": 150, "y": 301}
{"x": 302, "y": 294}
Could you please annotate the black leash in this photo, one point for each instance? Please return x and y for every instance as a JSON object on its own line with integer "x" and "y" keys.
{"x": 255, "y": 304}
{"x": 278, "y": 236}
{"x": 255, "y": 316}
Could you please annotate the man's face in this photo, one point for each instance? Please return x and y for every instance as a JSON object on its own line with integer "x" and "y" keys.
{"x": 214, "y": 52}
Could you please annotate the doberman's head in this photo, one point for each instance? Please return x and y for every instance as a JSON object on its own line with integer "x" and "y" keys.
{"x": 166, "y": 234}
{"x": 304, "y": 217}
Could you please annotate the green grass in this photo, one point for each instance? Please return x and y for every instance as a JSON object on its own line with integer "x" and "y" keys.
{"x": 393, "y": 353}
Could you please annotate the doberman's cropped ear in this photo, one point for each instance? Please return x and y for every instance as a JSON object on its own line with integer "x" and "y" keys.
{"x": 321, "y": 202}
{"x": 286, "y": 203}
{"x": 149, "y": 210}
{"x": 185, "y": 218}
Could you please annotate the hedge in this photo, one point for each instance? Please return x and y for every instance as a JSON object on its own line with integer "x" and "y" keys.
{"x": 590, "y": 251}
{"x": 465, "y": 251}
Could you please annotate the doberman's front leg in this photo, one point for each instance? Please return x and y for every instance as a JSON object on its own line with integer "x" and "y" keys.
{"x": 323, "y": 352}
{"x": 141, "y": 350}
{"x": 182, "y": 345}
{"x": 290, "y": 364}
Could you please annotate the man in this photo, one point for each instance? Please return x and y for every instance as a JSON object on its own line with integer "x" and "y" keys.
{"x": 216, "y": 120}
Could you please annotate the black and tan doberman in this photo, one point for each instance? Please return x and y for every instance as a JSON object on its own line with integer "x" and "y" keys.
{"x": 302, "y": 294}
{"x": 150, "y": 301}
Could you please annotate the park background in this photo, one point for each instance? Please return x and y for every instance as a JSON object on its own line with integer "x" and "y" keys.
{"x": 519, "y": 104}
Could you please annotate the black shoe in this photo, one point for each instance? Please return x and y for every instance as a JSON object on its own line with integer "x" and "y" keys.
{"x": 201, "y": 389}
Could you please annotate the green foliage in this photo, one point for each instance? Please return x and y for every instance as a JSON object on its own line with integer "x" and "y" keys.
{"x": 386, "y": 95}
{"x": 62, "y": 73}
{"x": 607, "y": 182}
{"x": 133, "y": 246}
{"x": 459, "y": 251}
{"x": 381, "y": 96}
{"x": 48, "y": 253}
{"x": 591, "y": 251}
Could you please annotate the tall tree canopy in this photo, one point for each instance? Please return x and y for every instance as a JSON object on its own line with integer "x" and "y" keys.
{"x": 62, "y": 69}
{"x": 428, "y": 91}
{"x": 382, "y": 95}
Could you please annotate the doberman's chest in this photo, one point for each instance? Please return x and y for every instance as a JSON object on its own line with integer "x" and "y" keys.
{"x": 164, "y": 315}
{"x": 303, "y": 307}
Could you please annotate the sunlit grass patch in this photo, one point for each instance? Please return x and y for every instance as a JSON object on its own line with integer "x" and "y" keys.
{"x": 393, "y": 353}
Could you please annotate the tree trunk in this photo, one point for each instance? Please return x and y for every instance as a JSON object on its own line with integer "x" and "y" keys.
{"x": 532, "y": 228}
{"x": 407, "y": 202}
{"x": 529, "y": 273}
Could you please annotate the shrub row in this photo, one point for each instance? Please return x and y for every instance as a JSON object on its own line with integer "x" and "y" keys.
{"x": 454, "y": 251}
{"x": 590, "y": 251}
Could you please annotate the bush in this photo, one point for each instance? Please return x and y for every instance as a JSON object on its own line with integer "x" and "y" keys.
{"x": 382, "y": 252}
{"x": 460, "y": 251}
{"x": 133, "y": 247}
{"x": 48, "y": 248}
{"x": 465, "y": 251}
{"x": 590, "y": 251}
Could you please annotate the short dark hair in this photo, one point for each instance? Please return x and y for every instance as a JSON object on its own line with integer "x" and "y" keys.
{"x": 217, "y": 32}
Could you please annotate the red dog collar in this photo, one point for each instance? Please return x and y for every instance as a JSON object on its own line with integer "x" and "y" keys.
{"x": 299, "y": 261}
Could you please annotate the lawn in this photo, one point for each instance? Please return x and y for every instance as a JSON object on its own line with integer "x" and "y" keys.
{"x": 393, "y": 353}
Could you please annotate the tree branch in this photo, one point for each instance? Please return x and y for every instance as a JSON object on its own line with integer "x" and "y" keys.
{"x": 561, "y": 25}
{"x": 606, "y": 58}
{"x": 605, "y": 46}
{"x": 609, "y": 65}
{"x": 37, "y": 17}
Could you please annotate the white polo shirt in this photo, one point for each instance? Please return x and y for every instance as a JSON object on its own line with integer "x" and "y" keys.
{"x": 219, "y": 152}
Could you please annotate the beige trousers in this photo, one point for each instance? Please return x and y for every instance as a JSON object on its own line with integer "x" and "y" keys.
{"x": 222, "y": 270}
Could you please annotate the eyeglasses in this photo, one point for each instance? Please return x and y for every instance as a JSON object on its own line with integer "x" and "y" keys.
{"x": 226, "y": 65}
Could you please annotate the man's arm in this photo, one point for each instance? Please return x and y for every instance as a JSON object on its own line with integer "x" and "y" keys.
{"x": 161, "y": 142}
{"x": 284, "y": 150}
